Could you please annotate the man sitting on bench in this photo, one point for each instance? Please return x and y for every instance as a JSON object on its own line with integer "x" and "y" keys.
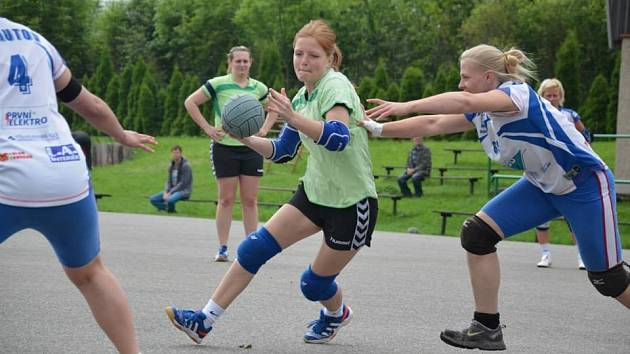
{"x": 418, "y": 168}
{"x": 178, "y": 183}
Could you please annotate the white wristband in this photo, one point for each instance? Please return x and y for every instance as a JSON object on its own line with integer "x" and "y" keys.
{"x": 373, "y": 127}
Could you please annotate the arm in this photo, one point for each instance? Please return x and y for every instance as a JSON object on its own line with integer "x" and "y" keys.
{"x": 333, "y": 134}
{"x": 93, "y": 109}
{"x": 445, "y": 103}
{"x": 420, "y": 126}
{"x": 270, "y": 120}
{"x": 192, "y": 104}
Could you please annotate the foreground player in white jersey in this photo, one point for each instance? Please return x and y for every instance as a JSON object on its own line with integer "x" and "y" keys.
{"x": 44, "y": 182}
{"x": 563, "y": 176}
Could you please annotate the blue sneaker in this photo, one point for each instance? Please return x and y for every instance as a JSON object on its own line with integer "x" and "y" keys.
{"x": 222, "y": 255}
{"x": 189, "y": 322}
{"x": 325, "y": 328}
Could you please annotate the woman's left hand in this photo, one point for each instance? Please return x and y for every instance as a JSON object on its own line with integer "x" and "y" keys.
{"x": 280, "y": 103}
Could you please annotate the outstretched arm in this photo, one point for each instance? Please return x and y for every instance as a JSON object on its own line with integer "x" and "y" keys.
{"x": 445, "y": 103}
{"x": 420, "y": 126}
{"x": 93, "y": 109}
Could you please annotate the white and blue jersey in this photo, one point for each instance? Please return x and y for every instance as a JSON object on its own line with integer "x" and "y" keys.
{"x": 572, "y": 115}
{"x": 536, "y": 138}
{"x": 40, "y": 163}
{"x": 563, "y": 175}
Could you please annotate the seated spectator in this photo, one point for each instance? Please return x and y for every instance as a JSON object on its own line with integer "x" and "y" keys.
{"x": 178, "y": 183}
{"x": 418, "y": 168}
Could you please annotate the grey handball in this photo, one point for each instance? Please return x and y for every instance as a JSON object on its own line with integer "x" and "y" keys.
{"x": 243, "y": 115}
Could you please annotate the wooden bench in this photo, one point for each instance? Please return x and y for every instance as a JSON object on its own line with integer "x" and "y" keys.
{"x": 445, "y": 214}
{"x": 457, "y": 151}
{"x": 395, "y": 198}
{"x": 458, "y": 168}
{"x": 471, "y": 181}
{"x": 101, "y": 195}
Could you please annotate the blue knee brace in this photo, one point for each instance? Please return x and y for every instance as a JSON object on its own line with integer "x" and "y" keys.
{"x": 316, "y": 287}
{"x": 256, "y": 249}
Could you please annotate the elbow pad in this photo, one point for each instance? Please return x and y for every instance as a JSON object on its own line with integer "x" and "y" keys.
{"x": 285, "y": 147}
{"x": 335, "y": 136}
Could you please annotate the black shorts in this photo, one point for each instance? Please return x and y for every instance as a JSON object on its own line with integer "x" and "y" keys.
{"x": 344, "y": 228}
{"x": 232, "y": 161}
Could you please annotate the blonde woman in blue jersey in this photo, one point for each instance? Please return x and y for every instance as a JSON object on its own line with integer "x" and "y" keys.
{"x": 234, "y": 165}
{"x": 44, "y": 181}
{"x": 337, "y": 194}
{"x": 562, "y": 176}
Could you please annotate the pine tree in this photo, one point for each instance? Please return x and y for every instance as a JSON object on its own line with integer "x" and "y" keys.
{"x": 103, "y": 75}
{"x": 171, "y": 101}
{"x": 146, "y": 111}
{"x": 111, "y": 93}
{"x": 567, "y": 69}
{"x": 269, "y": 66}
{"x": 611, "y": 110}
{"x": 411, "y": 84}
{"x": 367, "y": 89}
{"x": 137, "y": 78}
{"x": 594, "y": 108}
{"x": 381, "y": 79}
{"x": 123, "y": 94}
{"x": 393, "y": 92}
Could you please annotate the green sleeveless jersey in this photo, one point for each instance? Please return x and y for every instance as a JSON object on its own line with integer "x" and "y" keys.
{"x": 221, "y": 88}
{"x": 336, "y": 179}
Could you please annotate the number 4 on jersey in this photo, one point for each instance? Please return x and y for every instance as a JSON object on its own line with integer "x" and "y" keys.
{"x": 18, "y": 74}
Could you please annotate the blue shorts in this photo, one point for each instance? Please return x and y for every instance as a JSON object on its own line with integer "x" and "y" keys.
{"x": 71, "y": 229}
{"x": 590, "y": 210}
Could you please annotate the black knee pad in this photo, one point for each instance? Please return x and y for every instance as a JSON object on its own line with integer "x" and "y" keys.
{"x": 612, "y": 282}
{"x": 478, "y": 237}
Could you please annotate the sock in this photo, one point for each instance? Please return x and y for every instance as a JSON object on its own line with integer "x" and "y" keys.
{"x": 545, "y": 248}
{"x": 212, "y": 312}
{"x": 223, "y": 248}
{"x": 490, "y": 320}
{"x": 336, "y": 313}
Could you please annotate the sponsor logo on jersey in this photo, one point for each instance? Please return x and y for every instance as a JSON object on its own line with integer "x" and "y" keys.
{"x": 34, "y": 137}
{"x": 516, "y": 162}
{"x": 24, "y": 120}
{"x": 63, "y": 153}
{"x": 14, "y": 155}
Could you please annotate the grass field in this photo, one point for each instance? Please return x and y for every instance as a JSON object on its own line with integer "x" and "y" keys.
{"x": 131, "y": 182}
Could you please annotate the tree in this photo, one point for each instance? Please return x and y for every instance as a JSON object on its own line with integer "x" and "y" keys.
{"x": 594, "y": 108}
{"x": 146, "y": 111}
{"x": 112, "y": 92}
{"x": 568, "y": 69}
{"x": 103, "y": 75}
{"x": 393, "y": 92}
{"x": 611, "y": 110}
{"x": 137, "y": 77}
{"x": 381, "y": 79}
{"x": 123, "y": 93}
{"x": 411, "y": 84}
{"x": 367, "y": 89}
{"x": 171, "y": 101}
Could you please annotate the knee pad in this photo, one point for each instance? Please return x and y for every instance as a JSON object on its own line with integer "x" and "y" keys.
{"x": 256, "y": 249}
{"x": 612, "y": 282}
{"x": 477, "y": 237}
{"x": 316, "y": 287}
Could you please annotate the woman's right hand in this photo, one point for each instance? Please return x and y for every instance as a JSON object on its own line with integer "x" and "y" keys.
{"x": 385, "y": 109}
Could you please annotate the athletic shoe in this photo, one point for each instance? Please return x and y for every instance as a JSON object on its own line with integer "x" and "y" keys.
{"x": 545, "y": 260}
{"x": 326, "y": 327}
{"x": 222, "y": 255}
{"x": 189, "y": 322}
{"x": 476, "y": 336}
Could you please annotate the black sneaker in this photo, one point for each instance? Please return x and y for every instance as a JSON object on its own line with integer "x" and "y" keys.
{"x": 477, "y": 336}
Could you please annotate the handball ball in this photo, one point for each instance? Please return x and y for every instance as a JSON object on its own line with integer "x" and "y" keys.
{"x": 243, "y": 116}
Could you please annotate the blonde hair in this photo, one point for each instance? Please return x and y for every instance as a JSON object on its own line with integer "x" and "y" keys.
{"x": 325, "y": 37}
{"x": 511, "y": 65}
{"x": 238, "y": 48}
{"x": 549, "y": 84}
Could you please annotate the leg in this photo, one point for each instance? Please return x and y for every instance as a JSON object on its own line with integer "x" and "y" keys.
{"x": 249, "y": 191}
{"x": 287, "y": 226}
{"x": 158, "y": 201}
{"x": 172, "y": 200}
{"x": 227, "y": 191}
{"x": 108, "y": 303}
{"x": 416, "y": 180}
{"x": 402, "y": 183}
{"x": 331, "y": 262}
{"x": 542, "y": 236}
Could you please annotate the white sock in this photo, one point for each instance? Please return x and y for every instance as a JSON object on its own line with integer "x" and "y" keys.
{"x": 545, "y": 248}
{"x": 336, "y": 313}
{"x": 212, "y": 312}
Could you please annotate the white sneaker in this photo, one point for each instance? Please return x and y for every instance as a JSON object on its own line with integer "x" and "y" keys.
{"x": 581, "y": 263}
{"x": 545, "y": 261}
